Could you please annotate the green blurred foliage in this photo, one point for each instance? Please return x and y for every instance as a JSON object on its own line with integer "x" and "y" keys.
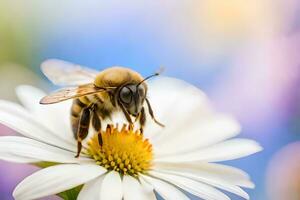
{"x": 19, "y": 46}
{"x": 71, "y": 194}
{"x": 15, "y": 45}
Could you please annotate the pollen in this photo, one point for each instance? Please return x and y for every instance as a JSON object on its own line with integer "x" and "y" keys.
{"x": 125, "y": 151}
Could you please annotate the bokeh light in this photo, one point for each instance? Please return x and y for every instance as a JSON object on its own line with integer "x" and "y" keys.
{"x": 283, "y": 177}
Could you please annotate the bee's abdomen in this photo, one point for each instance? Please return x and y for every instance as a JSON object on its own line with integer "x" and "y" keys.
{"x": 78, "y": 105}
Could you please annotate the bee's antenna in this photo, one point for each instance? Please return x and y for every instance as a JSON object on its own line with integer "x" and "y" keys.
{"x": 161, "y": 69}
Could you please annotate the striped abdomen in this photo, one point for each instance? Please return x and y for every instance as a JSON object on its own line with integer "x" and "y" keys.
{"x": 77, "y": 108}
{"x": 86, "y": 109}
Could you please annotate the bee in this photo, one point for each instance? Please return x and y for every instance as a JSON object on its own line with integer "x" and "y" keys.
{"x": 97, "y": 95}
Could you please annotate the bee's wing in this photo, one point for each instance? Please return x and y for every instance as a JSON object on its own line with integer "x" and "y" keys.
{"x": 67, "y": 74}
{"x": 70, "y": 93}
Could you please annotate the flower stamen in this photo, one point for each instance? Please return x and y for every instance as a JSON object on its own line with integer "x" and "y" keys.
{"x": 125, "y": 151}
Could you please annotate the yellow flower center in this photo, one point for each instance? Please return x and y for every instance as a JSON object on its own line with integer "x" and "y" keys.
{"x": 125, "y": 151}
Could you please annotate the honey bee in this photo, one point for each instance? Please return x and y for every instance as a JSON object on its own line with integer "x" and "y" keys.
{"x": 96, "y": 95}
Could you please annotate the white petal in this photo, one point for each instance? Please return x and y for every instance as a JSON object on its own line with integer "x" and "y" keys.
{"x": 25, "y": 150}
{"x": 147, "y": 186}
{"x": 91, "y": 190}
{"x": 204, "y": 177}
{"x": 19, "y": 119}
{"x": 111, "y": 188}
{"x": 9, "y": 158}
{"x": 166, "y": 190}
{"x": 196, "y": 188}
{"x": 198, "y": 134}
{"x": 134, "y": 190}
{"x": 55, "y": 179}
{"x": 227, "y": 150}
{"x": 56, "y": 117}
{"x": 214, "y": 171}
{"x": 174, "y": 100}
{"x": 30, "y": 96}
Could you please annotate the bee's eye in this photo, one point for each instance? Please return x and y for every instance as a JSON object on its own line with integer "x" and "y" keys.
{"x": 126, "y": 95}
{"x": 141, "y": 90}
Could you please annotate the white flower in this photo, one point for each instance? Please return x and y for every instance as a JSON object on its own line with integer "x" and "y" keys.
{"x": 178, "y": 157}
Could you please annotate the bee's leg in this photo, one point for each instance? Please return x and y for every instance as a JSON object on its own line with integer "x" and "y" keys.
{"x": 126, "y": 113}
{"x": 96, "y": 122}
{"x": 152, "y": 115}
{"x": 142, "y": 120}
{"x": 83, "y": 128}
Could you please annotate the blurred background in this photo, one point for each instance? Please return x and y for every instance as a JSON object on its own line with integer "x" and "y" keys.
{"x": 244, "y": 54}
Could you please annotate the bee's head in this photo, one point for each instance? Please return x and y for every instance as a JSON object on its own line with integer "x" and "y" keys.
{"x": 132, "y": 97}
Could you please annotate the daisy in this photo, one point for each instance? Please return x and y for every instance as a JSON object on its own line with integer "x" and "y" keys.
{"x": 172, "y": 161}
